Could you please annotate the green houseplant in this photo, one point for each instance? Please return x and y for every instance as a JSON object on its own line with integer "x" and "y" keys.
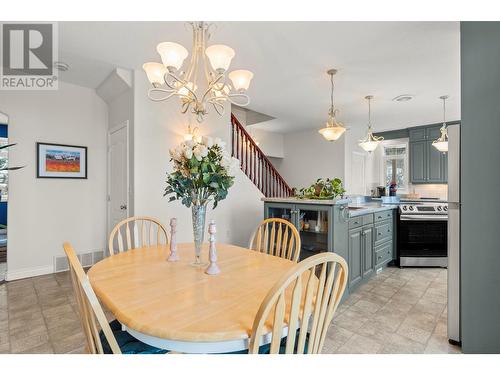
{"x": 203, "y": 171}
{"x": 322, "y": 189}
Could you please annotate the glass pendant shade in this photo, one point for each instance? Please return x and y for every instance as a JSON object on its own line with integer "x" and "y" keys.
{"x": 172, "y": 54}
{"x": 442, "y": 142}
{"x": 155, "y": 72}
{"x": 220, "y": 57}
{"x": 333, "y": 130}
{"x": 369, "y": 146}
{"x": 370, "y": 142}
{"x": 241, "y": 79}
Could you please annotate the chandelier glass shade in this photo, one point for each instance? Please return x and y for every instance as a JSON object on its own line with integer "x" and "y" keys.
{"x": 168, "y": 79}
{"x": 333, "y": 129}
{"x": 370, "y": 142}
{"x": 442, "y": 142}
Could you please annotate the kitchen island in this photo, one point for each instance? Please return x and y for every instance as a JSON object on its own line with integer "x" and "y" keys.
{"x": 362, "y": 232}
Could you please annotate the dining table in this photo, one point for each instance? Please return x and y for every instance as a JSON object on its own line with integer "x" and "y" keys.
{"x": 177, "y": 306}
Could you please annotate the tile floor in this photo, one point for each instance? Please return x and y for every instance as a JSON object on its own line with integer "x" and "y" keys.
{"x": 397, "y": 311}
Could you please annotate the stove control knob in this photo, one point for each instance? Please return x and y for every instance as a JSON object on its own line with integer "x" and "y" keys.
{"x": 445, "y": 208}
{"x": 439, "y": 208}
{"x": 404, "y": 208}
{"x": 410, "y": 208}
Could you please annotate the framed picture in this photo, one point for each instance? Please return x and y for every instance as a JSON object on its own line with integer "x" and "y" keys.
{"x": 61, "y": 161}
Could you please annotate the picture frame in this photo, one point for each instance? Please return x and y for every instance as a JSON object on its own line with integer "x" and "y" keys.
{"x": 55, "y": 160}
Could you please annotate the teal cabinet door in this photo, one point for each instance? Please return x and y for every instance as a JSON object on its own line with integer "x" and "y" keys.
{"x": 418, "y": 162}
{"x": 435, "y": 172}
{"x": 355, "y": 256}
{"x": 368, "y": 265}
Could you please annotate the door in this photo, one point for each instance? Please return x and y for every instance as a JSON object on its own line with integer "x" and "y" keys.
{"x": 118, "y": 181}
{"x": 367, "y": 251}
{"x": 418, "y": 161}
{"x": 355, "y": 256}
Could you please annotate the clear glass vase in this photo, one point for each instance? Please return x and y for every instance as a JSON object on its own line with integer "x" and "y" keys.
{"x": 199, "y": 213}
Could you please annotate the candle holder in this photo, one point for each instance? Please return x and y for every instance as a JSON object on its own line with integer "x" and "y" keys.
{"x": 213, "y": 268}
{"x": 173, "y": 241}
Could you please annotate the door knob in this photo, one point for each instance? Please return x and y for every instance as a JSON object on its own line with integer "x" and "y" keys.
{"x": 123, "y": 207}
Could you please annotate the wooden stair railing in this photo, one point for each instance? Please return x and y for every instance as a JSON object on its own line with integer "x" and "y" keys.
{"x": 255, "y": 164}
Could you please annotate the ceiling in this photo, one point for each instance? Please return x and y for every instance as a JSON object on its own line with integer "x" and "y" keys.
{"x": 290, "y": 60}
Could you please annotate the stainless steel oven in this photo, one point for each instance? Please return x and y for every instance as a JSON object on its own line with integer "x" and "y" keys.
{"x": 423, "y": 235}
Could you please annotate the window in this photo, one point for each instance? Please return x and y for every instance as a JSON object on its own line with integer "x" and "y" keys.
{"x": 395, "y": 164}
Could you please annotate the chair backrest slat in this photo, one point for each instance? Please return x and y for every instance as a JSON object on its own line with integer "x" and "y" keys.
{"x": 305, "y": 298}
{"x": 143, "y": 232}
{"x": 89, "y": 307}
{"x": 277, "y": 237}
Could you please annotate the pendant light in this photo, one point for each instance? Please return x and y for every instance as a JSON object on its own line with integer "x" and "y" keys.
{"x": 333, "y": 129}
{"x": 370, "y": 142}
{"x": 442, "y": 142}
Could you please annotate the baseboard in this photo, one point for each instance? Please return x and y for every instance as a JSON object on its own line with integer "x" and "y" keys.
{"x": 28, "y": 272}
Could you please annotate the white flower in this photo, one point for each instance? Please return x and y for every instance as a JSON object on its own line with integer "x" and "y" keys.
{"x": 207, "y": 141}
{"x": 189, "y": 143}
{"x": 200, "y": 152}
{"x": 188, "y": 153}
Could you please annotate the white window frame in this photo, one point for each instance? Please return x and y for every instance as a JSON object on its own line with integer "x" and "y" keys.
{"x": 384, "y": 158}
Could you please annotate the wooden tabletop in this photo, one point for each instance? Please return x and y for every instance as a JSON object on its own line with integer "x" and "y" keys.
{"x": 177, "y": 301}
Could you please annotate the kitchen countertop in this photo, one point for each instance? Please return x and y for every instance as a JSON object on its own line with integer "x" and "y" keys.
{"x": 294, "y": 200}
{"x": 370, "y": 208}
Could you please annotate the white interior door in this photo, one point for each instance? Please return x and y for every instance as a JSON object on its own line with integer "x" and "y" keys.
{"x": 118, "y": 181}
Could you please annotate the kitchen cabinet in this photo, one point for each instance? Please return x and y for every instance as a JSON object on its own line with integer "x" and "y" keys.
{"x": 360, "y": 243}
{"x": 427, "y": 164}
{"x": 315, "y": 223}
{"x": 355, "y": 261}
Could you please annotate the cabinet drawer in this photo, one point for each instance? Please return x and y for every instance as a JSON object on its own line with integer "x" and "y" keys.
{"x": 383, "y": 254}
{"x": 383, "y": 232}
{"x": 383, "y": 215}
{"x": 359, "y": 221}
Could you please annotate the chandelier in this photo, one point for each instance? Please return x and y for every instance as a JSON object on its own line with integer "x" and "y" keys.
{"x": 333, "y": 129}
{"x": 442, "y": 142}
{"x": 168, "y": 79}
{"x": 370, "y": 142}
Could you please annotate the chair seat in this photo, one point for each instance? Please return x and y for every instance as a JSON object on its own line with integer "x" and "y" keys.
{"x": 127, "y": 343}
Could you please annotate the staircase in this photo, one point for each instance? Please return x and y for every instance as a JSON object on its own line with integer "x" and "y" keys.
{"x": 255, "y": 164}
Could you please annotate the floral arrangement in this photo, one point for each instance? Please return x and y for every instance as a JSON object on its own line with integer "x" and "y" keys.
{"x": 203, "y": 170}
{"x": 322, "y": 189}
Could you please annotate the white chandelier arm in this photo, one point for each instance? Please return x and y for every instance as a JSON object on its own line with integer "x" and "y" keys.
{"x": 153, "y": 90}
{"x": 219, "y": 107}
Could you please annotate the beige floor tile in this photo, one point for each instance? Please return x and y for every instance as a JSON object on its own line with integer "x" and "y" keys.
{"x": 26, "y": 343}
{"x": 5, "y": 348}
{"x": 44, "y": 348}
{"x": 59, "y": 333}
{"x": 428, "y": 307}
{"x": 351, "y": 320}
{"x": 440, "y": 345}
{"x": 358, "y": 344}
{"x": 62, "y": 319}
{"x": 365, "y": 306}
{"x": 57, "y": 310}
{"x": 69, "y": 343}
{"x": 338, "y": 336}
{"x": 414, "y": 333}
{"x": 397, "y": 344}
{"x": 385, "y": 290}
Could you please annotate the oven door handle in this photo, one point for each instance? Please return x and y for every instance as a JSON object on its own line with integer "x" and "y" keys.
{"x": 424, "y": 218}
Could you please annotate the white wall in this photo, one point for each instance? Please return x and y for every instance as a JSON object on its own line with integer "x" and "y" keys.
{"x": 45, "y": 212}
{"x": 309, "y": 157}
{"x": 4, "y": 119}
{"x": 159, "y": 127}
{"x": 272, "y": 144}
